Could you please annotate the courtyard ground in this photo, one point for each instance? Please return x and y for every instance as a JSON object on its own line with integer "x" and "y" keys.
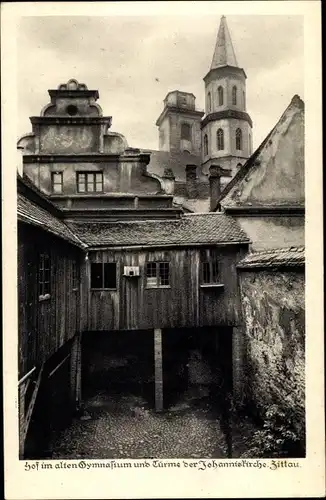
{"x": 124, "y": 426}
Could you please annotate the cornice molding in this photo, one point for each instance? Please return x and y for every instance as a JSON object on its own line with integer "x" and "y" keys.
{"x": 183, "y": 111}
{"x": 85, "y": 158}
{"x": 73, "y": 93}
{"x": 68, "y": 120}
{"x": 224, "y": 71}
{"x": 226, "y": 114}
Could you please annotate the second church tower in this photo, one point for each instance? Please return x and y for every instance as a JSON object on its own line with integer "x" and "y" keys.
{"x": 226, "y": 126}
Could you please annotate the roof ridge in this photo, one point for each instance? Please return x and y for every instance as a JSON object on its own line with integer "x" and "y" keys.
{"x": 153, "y": 221}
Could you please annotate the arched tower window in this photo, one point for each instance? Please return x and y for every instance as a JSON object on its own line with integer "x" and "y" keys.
{"x": 220, "y": 96}
{"x": 234, "y": 95}
{"x": 205, "y": 145}
{"x": 209, "y": 102}
{"x": 220, "y": 139}
{"x": 238, "y": 139}
{"x": 186, "y": 131}
{"x": 244, "y": 99}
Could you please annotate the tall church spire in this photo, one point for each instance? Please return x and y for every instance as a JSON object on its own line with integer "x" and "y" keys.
{"x": 226, "y": 127}
{"x": 224, "y": 54}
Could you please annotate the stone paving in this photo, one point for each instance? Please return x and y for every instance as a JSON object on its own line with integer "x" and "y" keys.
{"x": 124, "y": 426}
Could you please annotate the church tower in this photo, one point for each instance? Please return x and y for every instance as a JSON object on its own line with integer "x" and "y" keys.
{"x": 179, "y": 124}
{"x": 226, "y": 127}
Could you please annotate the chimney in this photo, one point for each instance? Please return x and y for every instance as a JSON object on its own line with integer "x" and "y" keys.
{"x": 215, "y": 174}
{"x": 169, "y": 180}
{"x": 19, "y": 160}
{"x": 191, "y": 181}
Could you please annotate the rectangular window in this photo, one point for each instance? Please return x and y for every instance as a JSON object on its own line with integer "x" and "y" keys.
{"x": 157, "y": 274}
{"x": 57, "y": 182}
{"x": 210, "y": 272}
{"x": 44, "y": 274}
{"x": 90, "y": 182}
{"x": 104, "y": 275}
{"x": 75, "y": 276}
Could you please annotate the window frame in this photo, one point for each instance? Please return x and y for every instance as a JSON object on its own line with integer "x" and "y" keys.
{"x": 86, "y": 182}
{"x": 209, "y": 102}
{"x": 205, "y": 145}
{"x": 75, "y": 277}
{"x": 103, "y": 276}
{"x": 188, "y": 127}
{"x": 238, "y": 139}
{"x": 234, "y": 95}
{"x": 158, "y": 276}
{"x": 220, "y": 139}
{"x": 43, "y": 291}
{"x": 210, "y": 268}
{"x": 53, "y": 174}
{"x": 220, "y": 94}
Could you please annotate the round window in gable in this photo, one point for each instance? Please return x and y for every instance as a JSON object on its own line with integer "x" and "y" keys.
{"x": 72, "y": 110}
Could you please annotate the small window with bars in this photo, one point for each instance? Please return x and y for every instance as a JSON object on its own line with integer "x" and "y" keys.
{"x": 157, "y": 274}
{"x": 210, "y": 272}
{"x": 44, "y": 276}
{"x": 57, "y": 182}
{"x": 104, "y": 275}
{"x": 90, "y": 182}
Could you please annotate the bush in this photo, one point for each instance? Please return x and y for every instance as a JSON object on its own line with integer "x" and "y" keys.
{"x": 277, "y": 438}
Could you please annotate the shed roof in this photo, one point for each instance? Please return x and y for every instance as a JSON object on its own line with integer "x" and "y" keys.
{"x": 190, "y": 230}
{"x": 33, "y": 214}
{"x": 278, "y": 257}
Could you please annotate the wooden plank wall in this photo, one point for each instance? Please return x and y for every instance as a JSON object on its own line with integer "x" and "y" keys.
{"x": 185, "y": 304}
{"x": 44, "y": 326}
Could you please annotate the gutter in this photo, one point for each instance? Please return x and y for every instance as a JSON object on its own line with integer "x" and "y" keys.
{"x": 167, "y": 245}
{"x": 257, "y": 211}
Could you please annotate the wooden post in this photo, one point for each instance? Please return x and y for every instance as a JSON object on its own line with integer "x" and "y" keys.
{"x": 158, "y": 369}
{"x": 75, "y": 372}
{"x": 238, "y": 375}
{"x": 78, "y": 372}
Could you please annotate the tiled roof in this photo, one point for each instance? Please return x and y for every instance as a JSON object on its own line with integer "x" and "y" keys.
{"x": 31, "y": 213}
{"x": 191, "y": 229}
{"x": 278, "y": 257}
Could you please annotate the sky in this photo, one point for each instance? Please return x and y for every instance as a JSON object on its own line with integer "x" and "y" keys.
{"x": 135, "y": 61}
